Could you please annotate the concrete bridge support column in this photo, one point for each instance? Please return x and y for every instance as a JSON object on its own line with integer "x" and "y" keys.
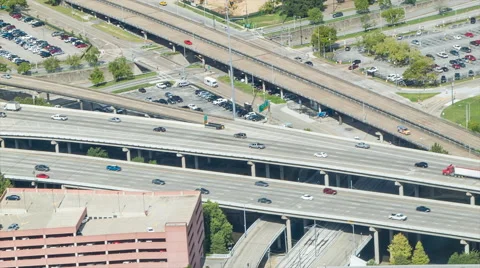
{"x": 48, "y": 96}
{"x": 184, "y": 162}
{"x": 16, "y": 144}
{"x": 69, "y": 147}
{"x": 57, "y": 146}
{"x": 432, "y": 192}
{"x": 80, "y": 145}
{"x": 108, "y": 20}
{"x": 279, "y": 242}
{"x": 416, "y": 190}
{"x": 145, "y": 35}
{"x": 80, "y": 102}
{"x": 326, "y": 178}
{"x": 349, "y": 181}
{"x": 289, "y": 233}
{"x": 150, "y": 155}
{"x": 267, "y": 170}
{"x": 263, "y": 87}
{"x": 209, "y": 160}
{"x": 305, "y": 224}
{"x": 337, "y": 180}
{"x": 400, "y": 187}
{"x": 126, "y": 150}
{"x": 380, "y": 136}
{"x": 30, "y": 144}
{"x": 2, "y": 143}
{"x": 472, "y": 198}
{"x": 252, "y": 168}
{"x": 467, "y": 246}
{"x": 196, "y": 161}
{"x": 376, "y": 244}
{"x": 419, "y": 237}
{"x": 281, "y": 93}
{"x": 139, "y": 153}
{"x": 390, "y": 236}
{"x": 246, "y": 78}
{"x": 340, "y": 121}
{"x": 282, "y": 172}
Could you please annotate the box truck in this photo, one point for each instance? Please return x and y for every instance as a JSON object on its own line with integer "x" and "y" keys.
{"x": 452, "y": 170}
{"x": 210, "y": 82}
{"x": 12, "y": 106}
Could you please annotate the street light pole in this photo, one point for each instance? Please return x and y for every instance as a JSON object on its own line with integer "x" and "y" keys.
{"x": 452, "y": 92}
{"x": 231, "y": 67}
{"x": 244, "y": 220}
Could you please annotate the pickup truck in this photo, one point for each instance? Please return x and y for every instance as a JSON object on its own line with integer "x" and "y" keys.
{"x": 398, "y": 217}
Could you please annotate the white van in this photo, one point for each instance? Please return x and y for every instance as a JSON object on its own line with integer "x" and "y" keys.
{"x": 210, "y": 81}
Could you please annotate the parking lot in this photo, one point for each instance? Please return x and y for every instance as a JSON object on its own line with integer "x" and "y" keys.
{"x": 40, "y": 33}
{"x": 430, "y": 41}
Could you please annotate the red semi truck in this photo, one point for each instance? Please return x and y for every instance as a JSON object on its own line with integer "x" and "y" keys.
{"x": 452, "y": 170}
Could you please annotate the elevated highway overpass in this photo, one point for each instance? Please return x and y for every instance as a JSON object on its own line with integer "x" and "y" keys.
{"x": 450, "y": 220}
{"x": 284, "y": 147}
{"x": 346, "y": 98}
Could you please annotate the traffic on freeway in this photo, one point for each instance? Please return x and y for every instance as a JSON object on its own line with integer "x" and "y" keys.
{"x": 218, "y": 52}
{"x": 363, "y": 208}
{"x": 281, "y": 145}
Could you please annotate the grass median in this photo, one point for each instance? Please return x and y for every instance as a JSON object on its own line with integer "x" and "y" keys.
{"x": 415, "y": 97}
{"x": 457, "y": 112}
{"x": 247, "y": 88}
{"x": 131, "y": 88}
{"x": 113, "y": 82}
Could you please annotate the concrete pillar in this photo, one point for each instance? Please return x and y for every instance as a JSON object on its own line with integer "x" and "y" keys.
{"x": 174, "y": 49}
{"x": 252, "y": 168}
{"x": 184, "y": 162}
{"x": 139, "y": 153}
{"x": 340, "y": 120}
{"x": 81, "y": 104}
{"x": 419, "y": 237}
{"x": 390, "y": 236}
{"x": 349, "y": 181}
{"x": 246, "y": 78}
{"x": 81, "y": 146}
{"x": 145, "y": 35}
{"x": 289, "y": 233}
{"x": 416, "y": 190}
{"x": 57, "y": 146}
{"x": 69, "y": 147}
{"x": 209, "y": 160}
{"x": 267, "y": 170}
{"x": 305, "y": 224}
{"x": 2, "y": 143}
{"x": 279, "y": 242}
{"x": 196, "y": 161}
{"x": 281, "y": 93}
{"x": 337, "y": 180}
{"x": 263, "y": 86}
{"x": 29, "y": 144}
{"x": 375, "y": 244}
{"x": 472, "y": 198}
{"x": 467, "y": 246}
{"x": 48, "y": 96}
{"x": 400, "y": 187}
{"x": 432, "y": 192}
{"x": 16, "y": 144}
{"x": 114, "y": 110}
{"x": 380, "y": 136}
{"x": 282, "y": 173}
{"x": 326, "y": 178}
{"x": 126, "y": 150}
{"x": 108, "y": 20}
{"x": 150, "y": 155}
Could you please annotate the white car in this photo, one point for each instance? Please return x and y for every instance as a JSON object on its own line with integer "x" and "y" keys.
{"x": 458, "y": 37}
{"x": 321, "y": 154}
{"x": 397, "y": 217}
{"x": 457, "y": 47}
{"x": 393, "y": 77}
{"x": 192, "y": 106}
{"x": 306, "y": 197}
{"x": 442, "y": 55}
{"x": 439, "y": 69}
{"x": 115, "y": 120}
{"x": 60, "y": 117}
{"x": 161, "y": 86}
{"x": 6, "y": 76}
{"x": 218, "y": 101}
{"x": 372, "y": 69}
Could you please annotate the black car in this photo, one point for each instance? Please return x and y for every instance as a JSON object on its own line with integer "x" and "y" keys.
{"x": 337, "y": 14}
{"x": 168, "y": 94}
{"x": 28, "y": 19}
{"x": 356, "y": 62}
{"x": 38, "y": 24}
{"x": 198, "y": 109}
{"x": 422, "y": 164}
{"x": 176, "y": 98}
{"x": 45, "y": 54}
{"x": 158, "y": 182}
{"x": 423, "y": 209}
{"x": 159, "y": 129}
{"x": 13, "y": 197}
{"x": 42, "y": 168}
{"x": 3, "y": 115}
{"x": 443, "y": 79}
{"x": 240, "y": 135}
{"x": 309, "y": 63}
{"x": 471, "y": 73}
{"x": 261, "y": 184}
{"x": 454, "y": 52}
{"x": 142, "y": 90}
{"x": 264, "y": 200}
{"x": 171, "y": 101}
{"x": 347, "y": 48}
{"x": 444, "y": 69}
{"x": 465, "y": 49}
{"x": 162, "y": 101}
{"x": 203, "y": 190}
{"x": 167, "y": 83}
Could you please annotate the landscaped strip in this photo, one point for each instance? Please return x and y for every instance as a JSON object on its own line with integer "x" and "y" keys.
{"x": 118, "y": 91}
{"x": 136, "y": 77}
{"x": 247, "y": 88}
{"x": 457, "y": 112}
{"x": 415, "y": 97}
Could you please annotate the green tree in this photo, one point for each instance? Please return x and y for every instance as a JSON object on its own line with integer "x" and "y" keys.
{"x": 323, "y": 36}
{"x": 401, "y": 260}
{"x": 419, "y": 255}
{"x": 92, "y": 55}
{"x": 474, "y": 126}
{"x": 120, "y": 69}
{"x": 10, "y": 4}
{"x": 384, "y": 4}
{"x": 399, "y": 248}
{"x": 369, "y": 40}
{"x": 29, "y": 100}
{"x": 51, "y": 64}
{"x": 138, "y": 159}
{"x": 53, "y": 2}
{"x": 218, "y": 231}
{"x": 4, "y": 67}
{"x": 96, "y": 77}
{"x": 393, "y": 15}
{"x": 153, "y": 162}
{"x": 315, "y": 15}
{"x": 371, "y": 262}
{"x": 268, "y": 7}
{"x": 367, "y": 22}
{"x": 97, "y": 152}
{"x": 74, "y": 61}
{"x": 437, "y": 148}
{"x": 420, "y": 69}
{"x": 24, "y": 68}
{"x": 300, "y": 8}
{"x": 361, "y": 6}
{"x": 465, "y": 258}
{"x": 4, "y": 184}
{"x": 410, "y": 2}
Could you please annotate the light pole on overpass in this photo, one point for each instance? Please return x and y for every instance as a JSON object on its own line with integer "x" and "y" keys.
{"x": 231, "y": 67}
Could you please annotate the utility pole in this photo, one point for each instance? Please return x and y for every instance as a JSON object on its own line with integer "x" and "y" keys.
{"x": 452, "y": 92}
{"x": 231, "y": 67}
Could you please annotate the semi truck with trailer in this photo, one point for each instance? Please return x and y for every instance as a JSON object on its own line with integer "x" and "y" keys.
{"x": 456, "y": 171}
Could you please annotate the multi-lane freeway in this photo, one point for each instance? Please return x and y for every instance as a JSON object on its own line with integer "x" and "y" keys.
{"x": 285, "y": 147}
{"x": 343, "y": 96}
{"x": 234, "y": 191}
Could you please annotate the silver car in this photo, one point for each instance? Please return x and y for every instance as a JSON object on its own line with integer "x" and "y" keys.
{"x": 60, "y": 117}
{"x": 256, "y": 145}
{"x": 115, "y": 120}
{"x": 362, "y": 145}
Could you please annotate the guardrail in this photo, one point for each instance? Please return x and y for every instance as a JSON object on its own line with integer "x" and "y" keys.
{"x": 232, "y": 252}
{"x": 290, "y": 74}
{"x": 270, "y": 244}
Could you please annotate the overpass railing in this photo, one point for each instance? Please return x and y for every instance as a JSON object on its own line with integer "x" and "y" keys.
{"x": 244, "y": 236}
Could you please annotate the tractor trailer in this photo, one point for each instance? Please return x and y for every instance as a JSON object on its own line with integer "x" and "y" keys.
{"x": 452, "y": 170}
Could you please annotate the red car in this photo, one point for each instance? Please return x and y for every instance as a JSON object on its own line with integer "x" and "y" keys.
{"x": 469, "y": 34}
{"x": 188, "y": 42}
{"x": 82, "y": 45}
{"x": 456, "y": 66}
{"x": 353, "y": 67}
{"x": 42, "y": 176}
{"x": 470, "y": 58}
{"x": 329, "y": 191}
{"x": 16, "y": 15}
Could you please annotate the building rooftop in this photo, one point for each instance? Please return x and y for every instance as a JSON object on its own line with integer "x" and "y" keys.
{"x": 109, "y": 212}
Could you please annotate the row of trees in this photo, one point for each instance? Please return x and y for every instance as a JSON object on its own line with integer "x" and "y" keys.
{"x": 362, "y": 6}
{"x": 119, "y": 68}
{"x": 11, "y": 4}
{"x": 401, "y": 252}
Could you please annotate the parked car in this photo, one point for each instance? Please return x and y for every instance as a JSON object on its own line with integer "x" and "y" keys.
{"x": 38, "y": 24}
{"x": 142, "y": 90}
{"x": 470, "y": 58}
{"x": 13, "y": 197}
{"x": 454, "y": 53}
{"x": 13, "y": 227}
{"x": 469, "y": 34}
{"x": 3, "y": 115}
{"x": 309, "y": 63}
{"x": 337, "y": 14}
{"x": 465, "y": 49}
{"x": 416, "y": 42}
{"x": 353, "y": 66}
